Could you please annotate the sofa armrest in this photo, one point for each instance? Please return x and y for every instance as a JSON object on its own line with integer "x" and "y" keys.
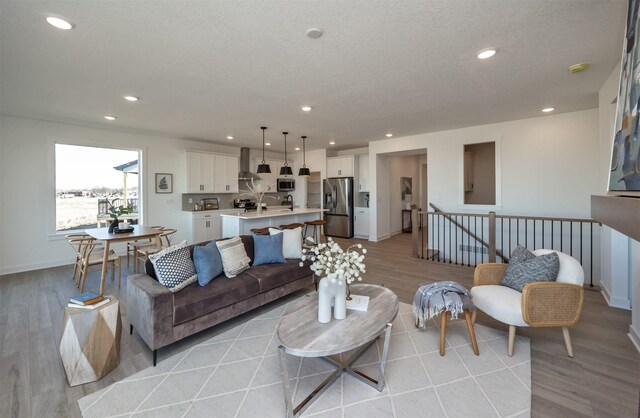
{"x": 552, "y": 304}
{"x": 488, "y": 273}
{"x": 150, "y": 310}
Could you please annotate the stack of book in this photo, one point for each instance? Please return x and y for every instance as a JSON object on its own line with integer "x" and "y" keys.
{"x": 87, "y": 300}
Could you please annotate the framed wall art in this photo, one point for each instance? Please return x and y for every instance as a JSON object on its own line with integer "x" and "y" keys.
{"x": 624, "y": 175}
{"x": 164, "y": 183}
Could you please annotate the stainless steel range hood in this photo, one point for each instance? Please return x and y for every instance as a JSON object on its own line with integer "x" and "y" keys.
{"x": 245, "y": 163}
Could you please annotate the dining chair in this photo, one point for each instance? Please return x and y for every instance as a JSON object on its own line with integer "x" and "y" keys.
{"x": 90, "y": 257}
{"x": 133, "y": 246}
{"x": 143, "y": 253}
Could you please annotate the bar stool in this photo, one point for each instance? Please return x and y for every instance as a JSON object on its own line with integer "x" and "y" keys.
{"x": 317, "y": 229}
{"x": 260, "y": 231}
{"x": 291, "y": 226}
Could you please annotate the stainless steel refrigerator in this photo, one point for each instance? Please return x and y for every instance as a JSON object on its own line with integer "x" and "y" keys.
{"x": 338, "y": 199}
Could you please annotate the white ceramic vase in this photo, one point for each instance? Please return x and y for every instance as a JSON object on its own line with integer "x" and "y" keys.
{"x": 330, "y": 289}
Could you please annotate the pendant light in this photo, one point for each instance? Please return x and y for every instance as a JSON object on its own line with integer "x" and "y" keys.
{"x": 304, "y": 171}
{"x": 263, "y": 168}
{"x": 285, "y": 170}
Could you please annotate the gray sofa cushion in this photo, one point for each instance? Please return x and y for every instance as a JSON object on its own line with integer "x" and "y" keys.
{"x": 195, "y": 301}
{"x": 270, "y": 276}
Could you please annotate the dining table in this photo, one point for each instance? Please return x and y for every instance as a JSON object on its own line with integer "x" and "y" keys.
{"x": 102, "y": 234}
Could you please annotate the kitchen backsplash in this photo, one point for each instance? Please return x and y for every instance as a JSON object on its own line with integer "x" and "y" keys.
{"x": 226, "y": 200}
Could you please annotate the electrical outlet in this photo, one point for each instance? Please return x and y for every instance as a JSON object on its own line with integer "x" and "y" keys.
{"x": 190, "y": 200}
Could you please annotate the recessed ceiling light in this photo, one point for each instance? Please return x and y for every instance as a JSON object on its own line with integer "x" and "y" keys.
{"x": 59, "y": 22}
{"x": 297, "y": 148}
{"x": 389, "y": 135}
{"x": 229, "y": 137}
{"x": 306, "y": 108}
{"x": 486, "y": 53}
{"x": 109, "y": 117}
{"x": 314, "y": 33}
{"x": 548, "y": 109}
{"x": 332, "y": 142}
{"x": 268, "y": 144}
{"x": 131, "y": 98}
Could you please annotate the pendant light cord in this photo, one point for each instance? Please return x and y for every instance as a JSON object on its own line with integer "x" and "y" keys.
{"x": 264, "y": 128}
{"x": 304, "y": 151}
{"x": 286, "y": 163}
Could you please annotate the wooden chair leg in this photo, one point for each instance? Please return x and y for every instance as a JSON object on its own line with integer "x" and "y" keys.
{"x": 512, "y": 339}
{"x": 443, "y": 331}
{"x": 472, "y": 333}
{"x": 119, "y": 270}
{"x": 474, "y": 314}
{"x": 567, "y": 341}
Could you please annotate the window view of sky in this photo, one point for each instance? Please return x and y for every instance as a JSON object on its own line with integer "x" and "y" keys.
{"x": 87, "y": 167}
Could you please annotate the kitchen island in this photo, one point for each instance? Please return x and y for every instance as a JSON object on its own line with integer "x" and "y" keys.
{"x": 241, "y": 223}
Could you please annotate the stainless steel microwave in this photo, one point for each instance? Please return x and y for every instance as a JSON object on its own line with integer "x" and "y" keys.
{"x": 286, "y": 185}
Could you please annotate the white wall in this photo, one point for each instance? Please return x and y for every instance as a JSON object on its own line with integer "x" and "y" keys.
{"x": 546, "y": 167}
{"x": 28, "y": 240}
{"x": 402, "y": 166}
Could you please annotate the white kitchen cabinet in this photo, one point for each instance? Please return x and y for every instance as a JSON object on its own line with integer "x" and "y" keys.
{"x": 342, "y": 166}
{"x": 200, "y": 171}
{"x": 363, "y": 173}
{"x": 206, "y": 225}
{"x": 361, "y": 222}
{"x": 212, "y": 173}
{"x": 226, "y": 169}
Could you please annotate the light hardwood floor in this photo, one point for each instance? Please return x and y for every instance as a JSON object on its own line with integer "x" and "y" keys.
{"x": 602, "y": 380}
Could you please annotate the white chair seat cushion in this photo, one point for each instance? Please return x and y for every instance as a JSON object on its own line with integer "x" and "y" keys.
{"x": 499, "y": 302}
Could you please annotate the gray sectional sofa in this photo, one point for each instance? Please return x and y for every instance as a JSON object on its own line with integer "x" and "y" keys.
{"x": 161, "y": 317}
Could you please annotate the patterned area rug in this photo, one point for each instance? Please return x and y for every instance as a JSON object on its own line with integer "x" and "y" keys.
{"x": 237, "y": 374}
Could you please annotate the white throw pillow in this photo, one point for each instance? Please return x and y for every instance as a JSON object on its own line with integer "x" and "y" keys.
{"x": 291, "y": 241}
{"x": 234, "y": 257}
{"x": 174, "y": 267}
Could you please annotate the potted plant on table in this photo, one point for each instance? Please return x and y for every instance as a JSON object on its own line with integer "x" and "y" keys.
{"x": 340, "y": 269}
{"x": 116, "y": 211}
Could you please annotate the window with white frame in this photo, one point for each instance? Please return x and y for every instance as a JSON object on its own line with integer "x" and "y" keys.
{"x": 90, "y": 180}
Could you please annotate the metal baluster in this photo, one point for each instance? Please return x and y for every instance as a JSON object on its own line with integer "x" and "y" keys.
{"x": 475, "y": 241}
{"x": 517, "y": 231}
{"x": 502, "y": 235}
{"x": 526, "y": 233}
{"x": 456, "y": 232}
{"x": 552, "y": 234}
{"x": 438, "y": 237}
{"x": 581, "y": 243}
{"x": 591, "y": 258}
{"x": 561, "y": 223}
{"x": 450, "y": 241}
{"x": 509, "y": 235}
{"x": 468, "y": 240}
{"x": 542, "y": 234}
{"x": 571, "y": 238}
{"x": 534, "y": 234}
{"x": 421, "y": 235}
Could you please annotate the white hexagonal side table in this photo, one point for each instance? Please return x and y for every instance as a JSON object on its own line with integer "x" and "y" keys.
{"x": 90, "y": 343}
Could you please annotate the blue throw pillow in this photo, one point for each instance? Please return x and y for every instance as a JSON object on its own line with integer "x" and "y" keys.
{"x": 208, "y": 262}
{"x": 268, "y": 249}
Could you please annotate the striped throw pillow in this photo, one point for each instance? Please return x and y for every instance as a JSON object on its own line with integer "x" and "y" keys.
{"x": 234, "y": 257}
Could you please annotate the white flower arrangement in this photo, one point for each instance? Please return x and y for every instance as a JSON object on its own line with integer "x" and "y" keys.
{"x": 257, "y": 191}
{"x": 330, "y": 259}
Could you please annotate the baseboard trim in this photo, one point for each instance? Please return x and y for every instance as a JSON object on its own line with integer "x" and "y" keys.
{"x": 605, "y": 294}
{"x": 380, "y": 238}
{"x": 635, "y": 337}
{"x": 35, "y": 266}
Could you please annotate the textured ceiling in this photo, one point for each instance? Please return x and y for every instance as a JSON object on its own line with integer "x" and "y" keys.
{"x": 208, "y": 69}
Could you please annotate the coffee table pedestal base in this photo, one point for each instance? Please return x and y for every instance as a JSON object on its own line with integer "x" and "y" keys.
{"x": 294, "y": 411}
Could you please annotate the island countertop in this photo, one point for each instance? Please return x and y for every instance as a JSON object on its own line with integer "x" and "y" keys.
{"x": 271, "y": 213}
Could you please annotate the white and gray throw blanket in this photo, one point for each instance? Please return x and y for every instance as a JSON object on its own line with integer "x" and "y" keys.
{"x": 433, "y": 298}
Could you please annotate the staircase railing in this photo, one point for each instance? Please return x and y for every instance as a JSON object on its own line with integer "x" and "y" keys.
{"x": 470, "y": 239}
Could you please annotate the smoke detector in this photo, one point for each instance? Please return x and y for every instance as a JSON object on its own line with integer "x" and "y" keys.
{"x": 578, "y": 68}
{"x": 314, "y": 33}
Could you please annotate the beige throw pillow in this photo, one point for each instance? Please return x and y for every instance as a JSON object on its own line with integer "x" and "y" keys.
{"x": 234, "y": 256}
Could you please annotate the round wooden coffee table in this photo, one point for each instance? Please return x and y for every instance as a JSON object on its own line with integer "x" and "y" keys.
{"x": 299, "y": 333}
